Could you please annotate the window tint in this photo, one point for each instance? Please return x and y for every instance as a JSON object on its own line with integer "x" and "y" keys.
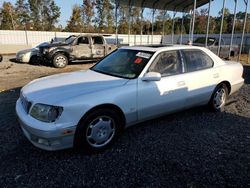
{"x": 97, "y": 40}
{"x": 167, "y": 63}
{"x": 197, "y": 60}
{"x": 83, "y": 40}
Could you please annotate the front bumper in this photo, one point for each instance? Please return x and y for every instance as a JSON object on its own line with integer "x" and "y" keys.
{"x": 23, "y": 58}
{"x": 47, "y": 136}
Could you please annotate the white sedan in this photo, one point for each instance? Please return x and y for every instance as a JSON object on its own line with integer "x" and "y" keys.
{"x": 89, "y": 109}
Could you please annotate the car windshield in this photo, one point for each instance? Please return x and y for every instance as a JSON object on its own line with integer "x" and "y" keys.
{"x": 124, "y": 63}
{"x": 202, "y": 40}
{"x": 70, "y": 39}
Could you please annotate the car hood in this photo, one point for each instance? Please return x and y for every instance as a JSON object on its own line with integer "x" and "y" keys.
{"x": 31, "y": 50}
{"x": 54, "y": 44}
{"x": 56, "y": 88}
{"x": 25, "y": 51}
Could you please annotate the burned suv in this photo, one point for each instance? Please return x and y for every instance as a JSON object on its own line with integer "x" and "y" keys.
{"x": 75, "y": 48}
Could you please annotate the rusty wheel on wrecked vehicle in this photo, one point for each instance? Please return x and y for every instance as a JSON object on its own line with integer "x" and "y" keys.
{"x": 60, "y": 60}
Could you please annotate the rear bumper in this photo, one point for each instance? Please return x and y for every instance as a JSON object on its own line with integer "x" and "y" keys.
{"x": 236, "y": 86}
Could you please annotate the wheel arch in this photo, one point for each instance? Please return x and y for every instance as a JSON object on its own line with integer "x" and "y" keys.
{"x": 106, "y": 106}
{"x": 227, "y": 83}
{"x": 60, "y": 51}
{"x": 54, "y": 52}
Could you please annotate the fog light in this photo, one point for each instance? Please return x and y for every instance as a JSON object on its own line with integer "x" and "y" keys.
{"x": 43, "y": 141}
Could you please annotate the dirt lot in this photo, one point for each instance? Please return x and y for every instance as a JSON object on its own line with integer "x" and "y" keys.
{"x": 194, "y": 148}
{"x": 13, "y": 75}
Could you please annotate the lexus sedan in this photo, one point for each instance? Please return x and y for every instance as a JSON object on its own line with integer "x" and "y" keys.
{"x": 90, "y": 109}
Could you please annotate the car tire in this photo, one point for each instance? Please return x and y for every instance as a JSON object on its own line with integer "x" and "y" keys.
{"x": 34, "y": 60}
{"x": 60, "y": 60}
{"x": 1, "y": 58}
{"x": 97, "y": 131}
{"x": 219, "y": 98}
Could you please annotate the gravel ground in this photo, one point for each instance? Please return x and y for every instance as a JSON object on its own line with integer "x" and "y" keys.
{"x": 194, "y": 148}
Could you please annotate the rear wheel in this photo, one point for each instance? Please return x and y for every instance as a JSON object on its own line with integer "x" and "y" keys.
{"x": 218, "y": 100}
{"x": 98, "y": 130}
{"x": 60, "y": 60}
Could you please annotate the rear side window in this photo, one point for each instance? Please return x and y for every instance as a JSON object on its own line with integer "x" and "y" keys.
{"x": 197, "y": 60}
{"x": 97, "y": 40}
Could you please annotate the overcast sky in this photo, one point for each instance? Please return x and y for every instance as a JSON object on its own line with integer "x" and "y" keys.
{"x": 66, "y": 7}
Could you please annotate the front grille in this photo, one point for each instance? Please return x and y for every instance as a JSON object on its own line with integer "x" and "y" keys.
{"x": 25, "y": 103}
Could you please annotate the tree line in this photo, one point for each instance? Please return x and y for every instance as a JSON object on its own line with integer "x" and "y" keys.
{"x": 99, "y": 16}
{"x": 39, "y": 15}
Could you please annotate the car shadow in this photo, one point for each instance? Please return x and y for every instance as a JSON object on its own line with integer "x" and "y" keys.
{"x": 13, "y": 60}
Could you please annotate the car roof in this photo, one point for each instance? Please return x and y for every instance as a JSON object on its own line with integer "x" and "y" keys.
{"x": 155, "y": 48}
{"x": 89, "y": 35}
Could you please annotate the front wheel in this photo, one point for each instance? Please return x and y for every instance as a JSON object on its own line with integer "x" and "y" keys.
{"x": 60, "y": 60}
{"x": 218, "y": 100}
{"x": 98, "y": 130}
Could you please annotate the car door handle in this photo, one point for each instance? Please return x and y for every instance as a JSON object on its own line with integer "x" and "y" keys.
{"x": 181, "y": 83}
{"x": 216, "y": 75}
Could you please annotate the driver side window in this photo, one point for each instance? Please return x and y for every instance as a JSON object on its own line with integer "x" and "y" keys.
{"x": 167, "y": 63}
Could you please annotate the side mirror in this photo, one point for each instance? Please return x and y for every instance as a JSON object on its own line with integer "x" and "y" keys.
{"x": 152, "y": 76}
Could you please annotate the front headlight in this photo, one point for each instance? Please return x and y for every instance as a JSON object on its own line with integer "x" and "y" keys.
{"x": 20, "y": 55}
{"x": 46, "y": 113}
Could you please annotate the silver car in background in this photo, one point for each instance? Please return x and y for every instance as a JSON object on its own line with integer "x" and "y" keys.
{"x": 28, "y": 55}
{"x": 25, "y": 56}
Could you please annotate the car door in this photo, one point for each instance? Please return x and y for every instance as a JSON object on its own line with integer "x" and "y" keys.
{"x": 98, "y": 47}
{"x": 155, "y": 98}
{"x": 82, "y": 48}
{"x": 201, "y": 76}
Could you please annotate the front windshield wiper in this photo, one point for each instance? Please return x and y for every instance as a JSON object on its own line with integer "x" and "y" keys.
{"x": 111, "y": 74}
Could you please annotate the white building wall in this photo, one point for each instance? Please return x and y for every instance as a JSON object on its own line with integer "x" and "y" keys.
{"x": 33, "y": 38}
